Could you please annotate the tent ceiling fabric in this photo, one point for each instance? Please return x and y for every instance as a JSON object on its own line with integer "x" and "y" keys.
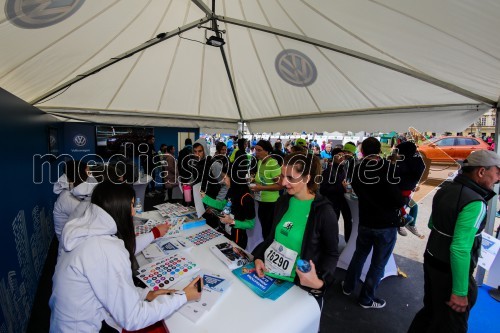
{"x": 376, "y": 65}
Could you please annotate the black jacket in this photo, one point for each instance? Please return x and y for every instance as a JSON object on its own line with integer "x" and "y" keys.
{"x": 447, "y": 204}
{"x": 379, "y": 196}
{"x": 320, "y": 242}
{"x": 331, "y": 184}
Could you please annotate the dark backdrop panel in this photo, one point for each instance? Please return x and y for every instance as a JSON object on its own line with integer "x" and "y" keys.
{"x": 26, "y": 227}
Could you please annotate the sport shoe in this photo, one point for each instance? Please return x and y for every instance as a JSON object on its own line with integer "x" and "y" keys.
{"x": 377, "y": 303}
{"x": 402, "y": 231}
{"x": 343, "y": 290}
{"x": 414, "y": 231}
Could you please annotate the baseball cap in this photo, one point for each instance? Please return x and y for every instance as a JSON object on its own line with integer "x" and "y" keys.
{"x": 349, "y": 147}
{"x": 484, "y": 158}
{"x": 301, "y": 142}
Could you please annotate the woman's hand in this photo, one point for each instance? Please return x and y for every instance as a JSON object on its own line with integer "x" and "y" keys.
{"x": 255, "y": 187}
{"x": 153, "y": 294}
{"x": 226, "y": 219}
{"x": 260, "y": 268}
{"x": 163, "y": 228}
{"x": 310, "y": 279}
{"x": 191, "y": 290}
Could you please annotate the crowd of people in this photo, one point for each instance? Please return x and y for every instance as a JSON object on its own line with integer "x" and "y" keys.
{"x": 285, "y": 203}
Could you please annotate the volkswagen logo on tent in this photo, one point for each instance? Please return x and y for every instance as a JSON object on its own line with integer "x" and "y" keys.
{"x": 296, "y": 68}
{"x": 80, "y": 140}
{"x": 39, "y": 14}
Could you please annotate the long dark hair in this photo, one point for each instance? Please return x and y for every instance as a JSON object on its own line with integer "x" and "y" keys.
{"x": 116, "y": 200}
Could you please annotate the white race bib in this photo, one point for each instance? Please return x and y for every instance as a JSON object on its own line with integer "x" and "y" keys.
{"x": 279, "y": 259}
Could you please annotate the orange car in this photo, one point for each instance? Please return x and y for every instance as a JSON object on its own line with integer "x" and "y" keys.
{"x": 450, "y": 148}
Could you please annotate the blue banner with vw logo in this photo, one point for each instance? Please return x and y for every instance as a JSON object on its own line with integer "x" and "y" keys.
{"x": 79, "y": 140}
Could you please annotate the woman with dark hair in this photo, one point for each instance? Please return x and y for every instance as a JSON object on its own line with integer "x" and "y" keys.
{"x": 305, "y": 227}
{"x": 93, "y": 280}
{"x": 266, "y": 190}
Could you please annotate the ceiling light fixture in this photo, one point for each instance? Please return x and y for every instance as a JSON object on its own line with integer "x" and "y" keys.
{"x": 215, "y": 41}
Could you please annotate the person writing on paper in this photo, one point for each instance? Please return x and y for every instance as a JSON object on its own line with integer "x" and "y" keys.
{"x": 304, "y": 227}
{"x": 93, "y": 279}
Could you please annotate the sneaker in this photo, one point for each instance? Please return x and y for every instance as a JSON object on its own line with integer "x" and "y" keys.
{"x": 377, "y": 303}
{"x": 343, "y": 290}
{"x": 402, "y": 231}
{"x": 414, "y": 231}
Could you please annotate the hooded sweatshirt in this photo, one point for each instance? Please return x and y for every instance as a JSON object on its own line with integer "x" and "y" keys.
{"x": 93, "y": 280}
{"x": 68, "y": 200}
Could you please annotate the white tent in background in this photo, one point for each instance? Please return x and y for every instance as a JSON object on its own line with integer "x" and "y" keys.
{"x": 289, "y": 65}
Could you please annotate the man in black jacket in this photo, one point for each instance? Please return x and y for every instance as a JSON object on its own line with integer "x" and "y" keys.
{"x": 379, "y": 205}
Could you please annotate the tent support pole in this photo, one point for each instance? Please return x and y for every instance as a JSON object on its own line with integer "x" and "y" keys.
{"x": 492, "y": 204}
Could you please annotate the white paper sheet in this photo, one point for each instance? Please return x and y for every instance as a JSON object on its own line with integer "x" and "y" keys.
{"x": 200, "y": 208}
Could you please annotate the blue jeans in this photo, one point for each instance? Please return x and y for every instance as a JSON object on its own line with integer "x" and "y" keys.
{"x": 382, "y": 241}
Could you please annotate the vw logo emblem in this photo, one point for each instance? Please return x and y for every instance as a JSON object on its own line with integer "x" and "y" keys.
{"x": 280, "y": 248}
{"x": 295, "y": 68}
{"x": 39, "y": 14}
{"x": 80, "y": 140}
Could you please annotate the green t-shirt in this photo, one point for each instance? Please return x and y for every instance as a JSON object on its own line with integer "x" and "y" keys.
{"x": 265, "y": 176}
{"x": 290, "y": 230}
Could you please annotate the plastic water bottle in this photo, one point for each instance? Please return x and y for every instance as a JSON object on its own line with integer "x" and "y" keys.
{"x": 227, "y": 208}
{"x": 138, "y": 206}
{"x": 303, "y": 265}
{"x": 348, "y": 188}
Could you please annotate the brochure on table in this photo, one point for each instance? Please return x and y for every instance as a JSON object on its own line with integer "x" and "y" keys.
{"x": 265, "y": 287}
{"x": 166, "y": 246}
{"x": 214, "y": 285}
{"x": 231, "y": 255}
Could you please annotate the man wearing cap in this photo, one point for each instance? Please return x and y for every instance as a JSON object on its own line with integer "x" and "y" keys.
{"x": 458, "y": 217}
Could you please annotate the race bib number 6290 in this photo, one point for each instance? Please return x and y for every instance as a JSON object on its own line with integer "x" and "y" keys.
{"x": 280, "y": 259}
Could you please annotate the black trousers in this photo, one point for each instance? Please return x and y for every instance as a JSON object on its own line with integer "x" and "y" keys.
{"x": 340, "y": 206}
{"x": 436, "y": 315}
{"x": 266, "y": 216}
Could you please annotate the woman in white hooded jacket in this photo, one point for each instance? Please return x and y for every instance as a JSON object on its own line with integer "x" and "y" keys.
{"x": 93, "y": 278}
{"x": 73, "y": 187}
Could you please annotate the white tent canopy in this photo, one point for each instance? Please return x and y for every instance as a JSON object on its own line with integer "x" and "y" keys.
{"x": 287, "y": 65}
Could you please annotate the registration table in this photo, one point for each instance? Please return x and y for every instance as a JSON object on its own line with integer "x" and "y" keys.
{"x": 240, "y": 309}
{"x": 347, "y": 253}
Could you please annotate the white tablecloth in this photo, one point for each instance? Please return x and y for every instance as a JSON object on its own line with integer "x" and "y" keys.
{"x": 240, "y": 310}
{"x": 348, "y": 252}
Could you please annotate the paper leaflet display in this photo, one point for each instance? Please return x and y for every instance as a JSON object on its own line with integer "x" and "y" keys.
{"x": 170, "y": 209}
{"x": 166, "y": 246}
{"x": 266, "y": 287}
{"x": 231, "y": 255}
{"x": 167, "y": 271}
{"x": 214, "y": 285}
{"x": 191, "y": 220}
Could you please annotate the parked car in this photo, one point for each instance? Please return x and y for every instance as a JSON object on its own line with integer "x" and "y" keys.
{"x": 452, "y": 148}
